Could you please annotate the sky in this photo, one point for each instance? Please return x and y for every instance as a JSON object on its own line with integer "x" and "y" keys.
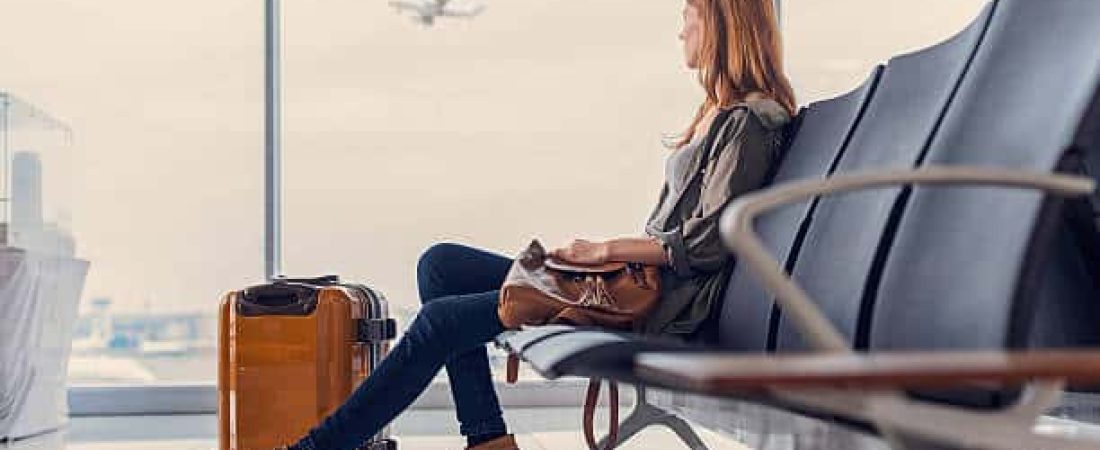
{"x": 541, "y": 118}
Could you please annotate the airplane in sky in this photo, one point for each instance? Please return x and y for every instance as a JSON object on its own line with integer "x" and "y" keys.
{"x": 426, "y": 11}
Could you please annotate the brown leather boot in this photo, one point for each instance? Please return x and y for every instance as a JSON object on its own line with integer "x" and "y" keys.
{"x": 506, "y": 442}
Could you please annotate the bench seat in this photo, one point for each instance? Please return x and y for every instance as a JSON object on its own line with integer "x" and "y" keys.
{"x": 558, "y": 350}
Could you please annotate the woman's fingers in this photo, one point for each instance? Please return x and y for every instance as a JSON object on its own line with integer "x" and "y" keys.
{"x": 579, "y": 251}
{"x": 567, "y": 254}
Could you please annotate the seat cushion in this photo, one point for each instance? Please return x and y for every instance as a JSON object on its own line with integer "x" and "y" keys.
{"x": 514, "y": 341}
{"x": 556, "y": 352}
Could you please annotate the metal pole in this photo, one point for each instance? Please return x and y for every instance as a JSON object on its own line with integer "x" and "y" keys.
{"x": 272, "y": 143}
{"x": 5, "y": 167}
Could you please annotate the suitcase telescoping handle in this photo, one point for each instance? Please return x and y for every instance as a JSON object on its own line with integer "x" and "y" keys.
{"x": 278, "y": 299}
{"x": 327, "y": 280}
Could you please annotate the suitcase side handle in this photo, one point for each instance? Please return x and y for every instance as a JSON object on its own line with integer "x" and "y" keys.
{"x": 278, "y": 299}
{"x": 375, "y": 330}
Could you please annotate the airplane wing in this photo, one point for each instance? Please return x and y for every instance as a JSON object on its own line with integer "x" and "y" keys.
{"x": 407, "y": 5}
{"x": 463, "y": 10}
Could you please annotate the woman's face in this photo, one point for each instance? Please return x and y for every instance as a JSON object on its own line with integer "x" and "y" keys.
{"x": 691, "y": 35}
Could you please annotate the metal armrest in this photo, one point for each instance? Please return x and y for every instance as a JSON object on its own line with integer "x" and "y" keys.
{"x": 730, "y": 374}
{"x": 738, "y": 234}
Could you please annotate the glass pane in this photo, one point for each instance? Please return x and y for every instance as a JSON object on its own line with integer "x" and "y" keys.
{"x": 36, "y": 178}
{"x": 141, "y": 122}
{"x": 831, "y": 46}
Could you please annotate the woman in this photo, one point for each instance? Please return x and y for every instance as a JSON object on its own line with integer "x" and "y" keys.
{"x": 735, "y": 47}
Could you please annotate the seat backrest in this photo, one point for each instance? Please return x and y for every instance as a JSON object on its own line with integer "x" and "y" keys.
{"x": 839, "y": 251}
{"x": 964, "y": 270}
{"x": 1088, "y": 141}
{"x": 1087, "y": 211}
{"x": 1067, "y": 308}
{"x": 745, "y": 318}
{"x": 1068, "y": 302}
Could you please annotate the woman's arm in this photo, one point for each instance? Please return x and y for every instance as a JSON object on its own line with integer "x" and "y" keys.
{"x": 646, "y": 250}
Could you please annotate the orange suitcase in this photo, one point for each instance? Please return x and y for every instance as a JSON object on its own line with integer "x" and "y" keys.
{"x": 290, "y": 353}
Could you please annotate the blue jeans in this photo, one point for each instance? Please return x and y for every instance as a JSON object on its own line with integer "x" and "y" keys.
{"x": 459, "y": 288}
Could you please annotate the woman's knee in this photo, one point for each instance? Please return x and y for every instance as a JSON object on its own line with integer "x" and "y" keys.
{"x": 436, "y": 254}
{"x": 428, "y": 273}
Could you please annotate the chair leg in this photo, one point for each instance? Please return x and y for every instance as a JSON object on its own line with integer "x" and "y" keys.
{"x": 646, "y": 415}
{"x": 684, "y": 431}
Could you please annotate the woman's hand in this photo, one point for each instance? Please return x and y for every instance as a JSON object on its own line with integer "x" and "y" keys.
{"x": 584, "y": 252}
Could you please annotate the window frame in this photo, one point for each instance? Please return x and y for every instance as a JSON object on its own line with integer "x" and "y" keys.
{"x": 100, "y": 400}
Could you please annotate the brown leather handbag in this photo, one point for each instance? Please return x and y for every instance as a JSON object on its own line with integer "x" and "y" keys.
{"x": 540, "y": 290}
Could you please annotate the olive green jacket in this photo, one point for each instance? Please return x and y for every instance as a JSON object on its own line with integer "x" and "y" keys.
{"x": 748, "y": 144}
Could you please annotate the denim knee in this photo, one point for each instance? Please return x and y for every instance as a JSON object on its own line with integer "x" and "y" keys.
{"x": 427, "y": 277}
{"x": 437, "y": 252}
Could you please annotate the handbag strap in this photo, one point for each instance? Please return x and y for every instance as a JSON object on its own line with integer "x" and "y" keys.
{"x": 512, "y": 370}
{"x": 590, "y": 403}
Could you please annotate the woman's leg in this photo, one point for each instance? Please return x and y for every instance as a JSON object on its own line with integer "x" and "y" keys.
{"x": 453, "y": 269}
{"x": 444, "y": 327}
{"x": 449, "y": 269}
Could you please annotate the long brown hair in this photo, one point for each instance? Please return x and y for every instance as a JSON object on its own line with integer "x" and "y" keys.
{"x": 741, "y": 53}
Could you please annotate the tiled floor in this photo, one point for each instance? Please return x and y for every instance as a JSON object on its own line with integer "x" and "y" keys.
{"x": 537, "y": 429}
{"x": 536, "y": 441}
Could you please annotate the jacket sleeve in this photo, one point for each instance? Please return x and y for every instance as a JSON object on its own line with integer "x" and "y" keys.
{"x": 661, "y": 198}
{"x": 741, "y": 166}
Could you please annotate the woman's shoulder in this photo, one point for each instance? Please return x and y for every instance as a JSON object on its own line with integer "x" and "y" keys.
{"x": 765, "y": 112}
